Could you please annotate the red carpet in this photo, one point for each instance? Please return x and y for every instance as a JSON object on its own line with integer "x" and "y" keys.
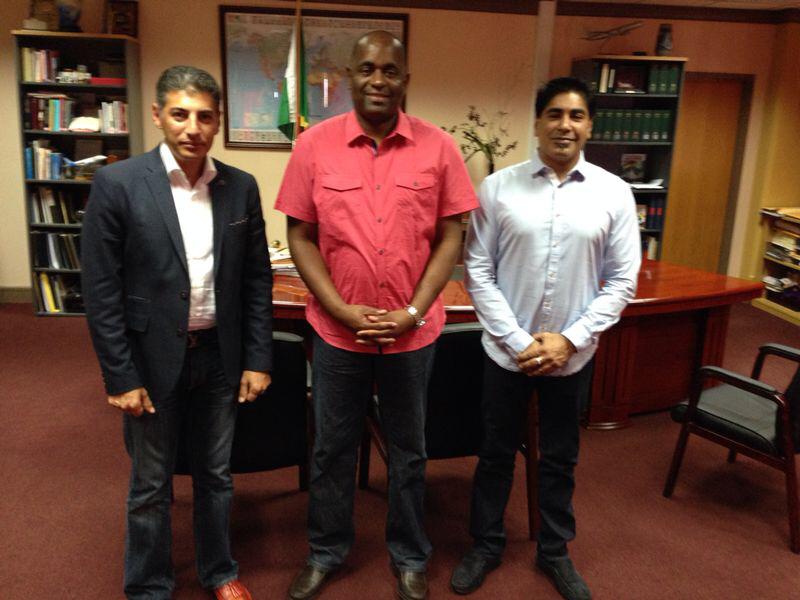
{"x": 723, "y": 535}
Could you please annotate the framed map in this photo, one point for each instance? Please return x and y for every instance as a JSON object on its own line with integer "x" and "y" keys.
{"x": 255, "y": 51}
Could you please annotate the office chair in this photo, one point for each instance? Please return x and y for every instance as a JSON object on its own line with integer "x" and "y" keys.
{"x": 748, "y": 417}
{"x": 454, "y": 425}
{"x": 273, "y": 431}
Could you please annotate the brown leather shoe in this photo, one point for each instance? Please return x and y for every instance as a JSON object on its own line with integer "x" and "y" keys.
{"x": 411, "y": 585}
{"x": 233, "y": 590}
{"x": 308, "y": 582}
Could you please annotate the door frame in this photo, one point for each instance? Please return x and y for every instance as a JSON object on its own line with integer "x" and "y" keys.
{"x": 746, "y": 101}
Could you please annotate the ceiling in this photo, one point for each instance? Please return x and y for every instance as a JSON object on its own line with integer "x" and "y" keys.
{"x": 746, "y": 4}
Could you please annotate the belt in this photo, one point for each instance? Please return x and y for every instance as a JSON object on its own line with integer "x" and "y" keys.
{"x": 201, "y": 337}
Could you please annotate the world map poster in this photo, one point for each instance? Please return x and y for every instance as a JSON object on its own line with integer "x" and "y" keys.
{"x": 256, "y": 44}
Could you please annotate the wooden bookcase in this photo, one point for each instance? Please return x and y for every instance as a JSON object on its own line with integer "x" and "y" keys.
{"x": 634, "y": 125}
{"x": 55, "y": 197}
{"x": 781, "y": 263}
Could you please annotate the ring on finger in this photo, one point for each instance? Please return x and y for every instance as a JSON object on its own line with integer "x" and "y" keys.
{"x": 539, "y": 360}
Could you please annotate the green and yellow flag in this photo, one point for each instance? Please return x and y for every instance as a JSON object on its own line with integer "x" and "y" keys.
{"x": 293, "y": 111}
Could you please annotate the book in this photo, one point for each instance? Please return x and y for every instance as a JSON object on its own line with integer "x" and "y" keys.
{"x": 602, "y": 86}
{"x": 633, "y": 167}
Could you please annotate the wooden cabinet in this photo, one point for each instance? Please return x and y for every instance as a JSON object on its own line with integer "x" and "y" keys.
{"x": 60, "y": 77}
{"x": 634, "y": 128}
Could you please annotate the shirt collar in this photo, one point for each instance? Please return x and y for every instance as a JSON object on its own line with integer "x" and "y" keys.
{"x": 577, "y": 173}
{"x": 172, "y": 166}
{"x": 353, "y": 129}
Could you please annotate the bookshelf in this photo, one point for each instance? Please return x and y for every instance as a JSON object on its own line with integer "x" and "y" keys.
{"x": 634, "y": 129}
{"x": 781, "y": 263}
{"x": 53, "y": 91}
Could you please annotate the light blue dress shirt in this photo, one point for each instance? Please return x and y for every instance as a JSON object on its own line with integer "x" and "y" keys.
{"x": 542, "y": 255}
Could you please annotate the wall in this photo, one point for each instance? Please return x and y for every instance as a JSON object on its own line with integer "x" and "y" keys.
{"x": 496, "y": 76}
{"x": 711, "y": 47}
{"x": 778, "y": 180}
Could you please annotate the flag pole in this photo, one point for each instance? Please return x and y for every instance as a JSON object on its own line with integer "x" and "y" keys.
{"x": 298, "y": 40}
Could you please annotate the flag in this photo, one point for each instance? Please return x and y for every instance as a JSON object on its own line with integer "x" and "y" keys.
{"x": 288, "y": 110}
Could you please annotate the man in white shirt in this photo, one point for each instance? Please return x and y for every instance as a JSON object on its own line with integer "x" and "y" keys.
{"x": 552, "y": 259}
{"x": 178, "y": 294}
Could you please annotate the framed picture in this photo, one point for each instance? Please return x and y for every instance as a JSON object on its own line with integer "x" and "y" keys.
{"x": 122, "y": 16}
{"x": 255, "y": 51}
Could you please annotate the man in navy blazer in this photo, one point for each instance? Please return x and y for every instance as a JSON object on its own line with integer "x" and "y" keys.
{"x": 178, "y": 293}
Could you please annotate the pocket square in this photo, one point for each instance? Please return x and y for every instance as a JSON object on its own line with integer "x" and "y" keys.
{"x": 241, "y": 221}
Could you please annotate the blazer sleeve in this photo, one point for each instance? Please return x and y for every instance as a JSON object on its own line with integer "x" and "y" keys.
{"x": 102, "y": 252}
{"x": 256, "y": 290}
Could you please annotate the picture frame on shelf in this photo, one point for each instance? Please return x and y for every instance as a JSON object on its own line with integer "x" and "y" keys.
{"x": 122, "y": 17}
{"x": 255, "y": 43}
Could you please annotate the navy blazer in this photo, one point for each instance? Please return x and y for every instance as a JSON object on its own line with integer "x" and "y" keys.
{"x": 136, "y": 281}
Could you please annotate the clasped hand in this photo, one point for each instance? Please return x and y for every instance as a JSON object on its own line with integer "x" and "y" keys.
{"x": 376, "y": 326}
{"x": 547, "y": 353}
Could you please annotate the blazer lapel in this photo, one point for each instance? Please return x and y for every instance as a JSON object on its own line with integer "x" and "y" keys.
{"x": 219, "y": 209}
{"x": 158, "y": 182}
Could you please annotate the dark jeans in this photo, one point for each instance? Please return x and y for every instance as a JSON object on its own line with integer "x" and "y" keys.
{"x": 505, "y": 400}
{"x": 204, "y": 404}
{"x": 343, "y": 384}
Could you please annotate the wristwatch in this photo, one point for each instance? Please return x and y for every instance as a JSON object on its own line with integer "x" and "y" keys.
{"x": 418, "y": 320}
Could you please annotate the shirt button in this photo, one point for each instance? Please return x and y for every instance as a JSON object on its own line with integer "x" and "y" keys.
{"x": 380, "y": 220}
{"x": 380, "y": 251}
{"x": 184, "y": 295}
{"x": 378, "y": 187}
{"x": 381, "y": 284}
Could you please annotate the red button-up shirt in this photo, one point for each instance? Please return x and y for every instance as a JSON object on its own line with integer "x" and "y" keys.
{"x": 376, "y": 211}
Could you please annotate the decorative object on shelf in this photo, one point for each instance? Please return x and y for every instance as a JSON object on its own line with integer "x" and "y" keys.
{"x": 606, "y": 34}
{"x": 46, "y": 11}
{"x": 69, "y": 13}
{"x": 664, "y": 40}
{"x": 483, "y": 136}
{"x": 122, "y": 16}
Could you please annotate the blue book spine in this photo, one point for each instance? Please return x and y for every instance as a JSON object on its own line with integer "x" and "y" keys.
{"x": 55, "y": 165}
{"x": 29, "y": 163}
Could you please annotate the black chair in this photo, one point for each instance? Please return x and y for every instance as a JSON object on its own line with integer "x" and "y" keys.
{"x": 454, "y": 426}
{"x": 748, "y": 417}
{"x": 273, "y": 431}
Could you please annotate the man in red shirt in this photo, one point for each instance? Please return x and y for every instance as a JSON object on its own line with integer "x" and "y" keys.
{"x": 374, "y": 200}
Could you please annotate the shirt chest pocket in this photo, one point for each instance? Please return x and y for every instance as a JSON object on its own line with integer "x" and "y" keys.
{"x": 339, "y": 197}
{"x": 417, "y": 196}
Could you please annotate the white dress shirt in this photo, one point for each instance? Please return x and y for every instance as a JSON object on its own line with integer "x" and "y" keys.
{"x": 538, "y": 250}
{"x": 193, "y": 205}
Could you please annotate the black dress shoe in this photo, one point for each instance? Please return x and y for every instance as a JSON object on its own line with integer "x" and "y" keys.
{"x": 471, "y": 571}
{"x": 411, "y": 585}
{"x": 567, "y": 580}
{"x": 308, "y": 583}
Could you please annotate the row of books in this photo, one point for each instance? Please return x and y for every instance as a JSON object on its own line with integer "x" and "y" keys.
{"x": 624, "y": 78}
{"x": 39, "y": 65}
{"x": 632, "y": 125}
{"x": 52, "y": 112}
{"x": 41, "y": 162}
{"x": 55, "y": 112}
{"x": 57, "y": 293}
{"x": 113, "y": 117}
{"x": 784, "y": 246}
{"x": 651, "y": 215}
{"x": 56, "y": 250}
{"x": 54, "y": 207}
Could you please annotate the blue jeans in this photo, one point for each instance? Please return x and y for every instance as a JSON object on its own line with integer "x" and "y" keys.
{"x": 204, "y": 406}
{"x": 343, "y": 384}
{"x": 504, "y": 405}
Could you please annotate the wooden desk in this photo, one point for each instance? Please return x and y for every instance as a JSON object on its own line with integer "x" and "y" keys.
{"x": 677, "y": 322}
